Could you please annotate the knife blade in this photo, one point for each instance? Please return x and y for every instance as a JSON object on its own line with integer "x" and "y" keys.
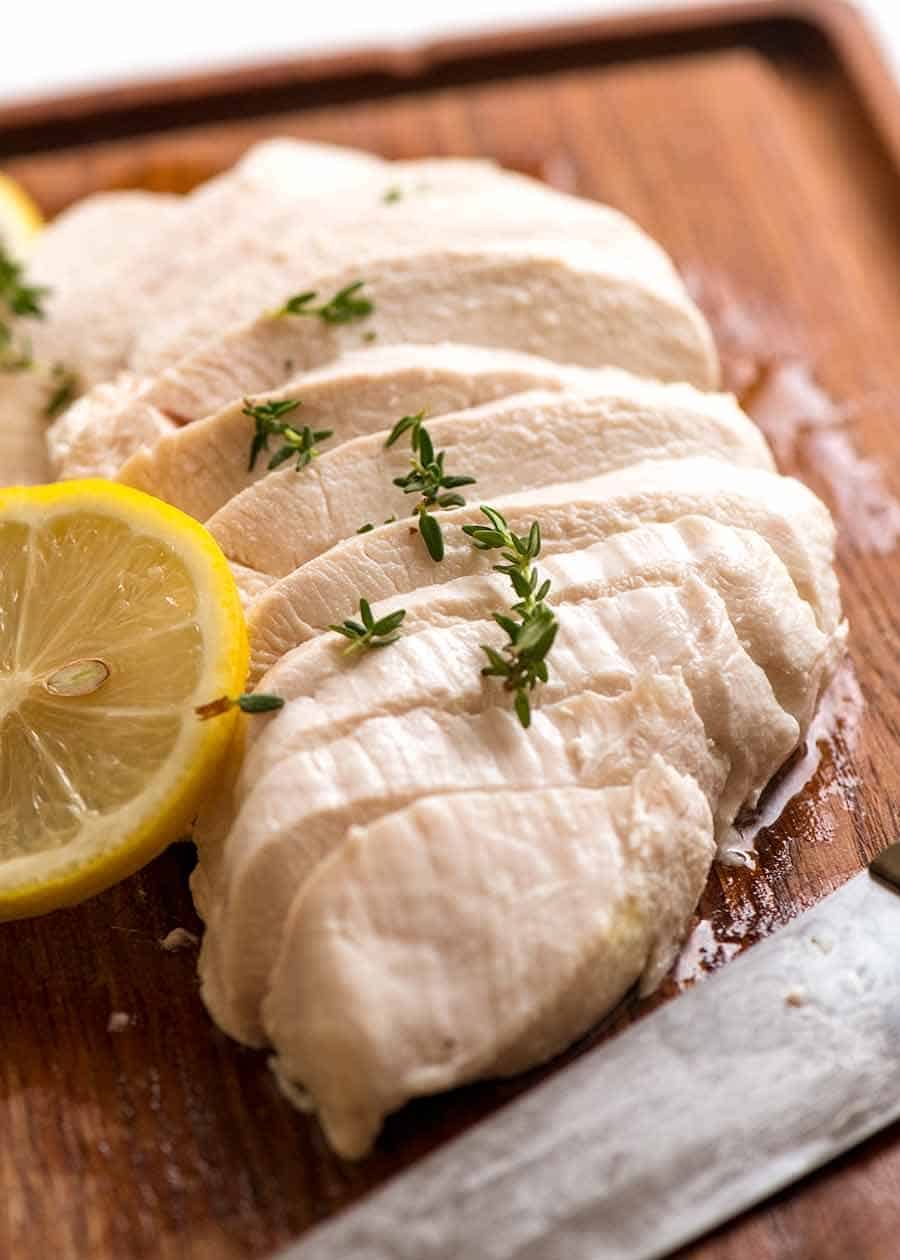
{"x": 740, "y": 1086}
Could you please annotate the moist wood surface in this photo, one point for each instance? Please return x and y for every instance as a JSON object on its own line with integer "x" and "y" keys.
{"x": 766, "y": 183}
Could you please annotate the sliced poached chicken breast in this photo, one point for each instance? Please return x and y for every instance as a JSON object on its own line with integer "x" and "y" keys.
{"x": 391, "y": 560}
{"x": 774, "y": 625}
{"x": 603, "y": 644}
{"x": 23, "y": 451}
{"x": 200, "y": 466}
{"x": 454, "y": 200}
{"x": 278, "y": 838}
{"x": 97, "y": 322}
{"x": 86, "y": 242}
{"x": 533, "y": 439}
{"x": 563, "y": 300}
{"x": 102, "y": 429}
{"x": 410, "y": 966}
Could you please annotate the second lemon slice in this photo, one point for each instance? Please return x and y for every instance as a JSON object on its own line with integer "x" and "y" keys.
{"x": 118, "y": 617}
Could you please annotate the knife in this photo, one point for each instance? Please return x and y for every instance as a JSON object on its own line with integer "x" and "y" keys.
{"x": 743, "y": 1084}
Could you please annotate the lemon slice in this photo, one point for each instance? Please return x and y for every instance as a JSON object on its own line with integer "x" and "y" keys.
{"x": 20, "y": 219}
{"x": 118, "y": 617}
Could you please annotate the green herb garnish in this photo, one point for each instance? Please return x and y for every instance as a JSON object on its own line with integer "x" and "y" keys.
{"x": 299, "y": 442}
{"x": 392, "y": 195}
{"x": 249, "y": 702}
{"x": 427, "y": 479}
{"x": 343, "y": 308}
{"x": 63, "y": 390}
{"x": 18, "y": 300}
{"x": 522, "y": 662}
{"x": 369, "y": 633}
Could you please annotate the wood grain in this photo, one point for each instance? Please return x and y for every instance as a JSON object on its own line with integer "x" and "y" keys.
{"x": 764, "y": 178}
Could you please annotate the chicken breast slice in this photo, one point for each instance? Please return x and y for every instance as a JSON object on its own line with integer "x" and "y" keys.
{"x": 199, "y": 467}
{"x": 87, "y": 241}
{"x": 391, "y": 561}
{"x": 239, "y": 268}
{"x": 461, "y": 201}
{"x": 23, "y": 451}
{"x": 563, "y": 300}
{"x": 409, "y": 967}
{"x": 101, "y": 430}
{"x": 298, "y": 814}
{"x": 91, "y": 240}
{"x": 527, "y": 440}
{"x": 602, "y": 645}
{"x": 96, "y": 323}
{"x": 775, "y": 626}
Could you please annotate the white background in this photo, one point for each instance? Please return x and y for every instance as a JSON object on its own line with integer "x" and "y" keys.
{"x": 67, "y": 44}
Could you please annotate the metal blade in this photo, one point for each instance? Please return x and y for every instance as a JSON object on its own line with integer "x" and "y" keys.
{"x": 743, "y": 1084}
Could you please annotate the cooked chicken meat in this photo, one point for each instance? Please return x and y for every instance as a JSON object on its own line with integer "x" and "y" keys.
{"x": 535, "y": 439}
{"x": 201, "y": 466}
{"x": 391, "y": 560}
{"x": 421, "y": 985}
{"x": 65, "y": 261}
{"x": 365, "y": 863}
{"x": 279, "y": 839}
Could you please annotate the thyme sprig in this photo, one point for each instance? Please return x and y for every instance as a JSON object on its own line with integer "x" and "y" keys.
{"x": 531, "y": 631}
{"x": 18, "y": 300}
{"x": 346, "y": 306}
{"x": 427, "y": 479}
{"x": 300, "y": 442}
{"x": 248, "y": 702}
{"x": 368, "y": 633}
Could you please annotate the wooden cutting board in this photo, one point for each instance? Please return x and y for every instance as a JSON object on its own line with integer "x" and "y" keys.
{"x": 760, "y": 147}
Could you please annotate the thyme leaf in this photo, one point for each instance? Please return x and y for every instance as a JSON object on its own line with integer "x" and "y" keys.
{"x": 427, "y": 479}
{"x": 301, "y": 443}
{"x": 346, "y": 306}
{"x": 367, "y": 633}
{"x": 531, "y": 631}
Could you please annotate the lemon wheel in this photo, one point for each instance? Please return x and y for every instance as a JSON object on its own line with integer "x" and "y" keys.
{"x": 118, "y": 618}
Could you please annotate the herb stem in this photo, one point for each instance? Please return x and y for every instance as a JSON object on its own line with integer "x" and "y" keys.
{"x": 531, "y": 631}
{"x": 300, "y": 442}
{"x": 247, "y": 702}
{"x": 367, "y": 633}
{"x": 427, "y": 479}
{"x": 346, "y": 306}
